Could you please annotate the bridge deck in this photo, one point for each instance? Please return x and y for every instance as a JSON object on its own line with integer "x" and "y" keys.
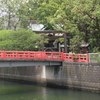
{"x": 29, "y": 62}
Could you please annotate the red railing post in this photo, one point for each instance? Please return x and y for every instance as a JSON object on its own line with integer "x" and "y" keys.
{"x": 62, "y": 57}
{"x": 87, "y": 58}
{"x": 4, "y": 54}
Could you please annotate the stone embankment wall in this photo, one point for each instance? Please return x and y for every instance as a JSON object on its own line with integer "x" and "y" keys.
{"x": 22, "y": 74}
{"x": 83, "y": 76}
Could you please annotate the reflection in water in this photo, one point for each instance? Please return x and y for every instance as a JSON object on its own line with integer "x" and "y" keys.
{"x": 44, "y": 93}
{"x": 16, "y": 91}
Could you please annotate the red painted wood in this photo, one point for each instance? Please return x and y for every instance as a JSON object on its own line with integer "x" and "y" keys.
{"x": 76, "y": 57}
{"x": 43, "y": 55}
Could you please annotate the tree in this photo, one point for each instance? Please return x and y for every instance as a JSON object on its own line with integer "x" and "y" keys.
{"x": 10, "y": 18}
{"x": 17, "y": 13}
{"x": 81, "y": 18}
{"x": 20, "y": 40}
{"x": 88, "y": 21}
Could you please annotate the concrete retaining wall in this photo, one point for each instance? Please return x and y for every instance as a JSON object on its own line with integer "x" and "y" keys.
{"x": 31, "y": 74}
{"x": 83, "y": 76}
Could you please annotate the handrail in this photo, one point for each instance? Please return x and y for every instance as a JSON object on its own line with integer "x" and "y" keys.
{"x": 30, "y": 55}
{"x": 76, "y": 57}
{"x": 43, "y": 55}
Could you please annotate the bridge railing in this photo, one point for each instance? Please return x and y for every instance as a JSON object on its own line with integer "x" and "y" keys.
{"x": 30, "y": 55}
{"x": 43, "y": 55}
{"x": 76, "y": 57}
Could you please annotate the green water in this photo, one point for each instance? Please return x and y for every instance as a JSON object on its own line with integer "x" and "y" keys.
{"x": 16, "y": 91}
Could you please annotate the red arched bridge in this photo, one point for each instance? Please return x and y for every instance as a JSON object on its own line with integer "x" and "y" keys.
{"x": 25, "y": 57}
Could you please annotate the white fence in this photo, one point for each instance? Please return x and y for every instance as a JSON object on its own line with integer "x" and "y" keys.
{"x": 94, "y": 57}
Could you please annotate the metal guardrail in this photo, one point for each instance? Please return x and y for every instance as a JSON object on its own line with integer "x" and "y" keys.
{"x": 43, "y": 55}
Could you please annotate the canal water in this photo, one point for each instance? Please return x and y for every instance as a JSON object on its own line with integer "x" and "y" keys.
{"x": 19, "y": 91}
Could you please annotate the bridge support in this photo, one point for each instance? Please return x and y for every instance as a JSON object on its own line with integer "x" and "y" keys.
{"x": 53, "y": 72}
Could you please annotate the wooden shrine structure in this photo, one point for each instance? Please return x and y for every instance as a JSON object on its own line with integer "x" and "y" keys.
{"x": 52, "y": 35}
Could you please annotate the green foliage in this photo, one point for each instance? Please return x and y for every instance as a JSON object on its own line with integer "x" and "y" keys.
{"x": 18, "y": 13}
{"x": 95, "y": 49}
{"x": 81, "y": 18}
{"x": 20, "y": 40}
{"x": 10, "y": 18}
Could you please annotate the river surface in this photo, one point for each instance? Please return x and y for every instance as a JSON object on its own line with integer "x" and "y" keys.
{"x": 19, "y": 91}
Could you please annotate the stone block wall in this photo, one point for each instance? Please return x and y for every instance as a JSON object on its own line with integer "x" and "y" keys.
{"x": 81, "y": 75}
